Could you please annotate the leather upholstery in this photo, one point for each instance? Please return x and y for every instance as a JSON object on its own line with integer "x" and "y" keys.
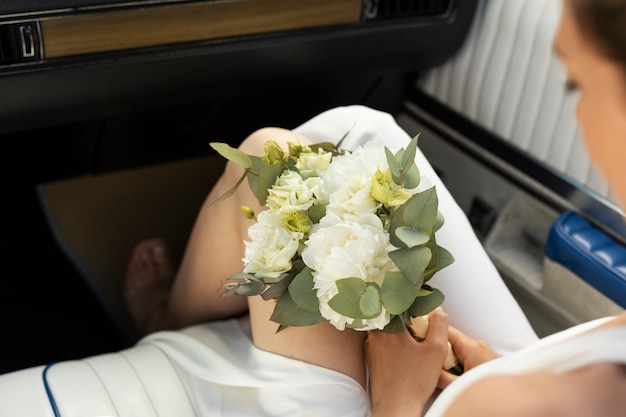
{"x": 139, "y": 381}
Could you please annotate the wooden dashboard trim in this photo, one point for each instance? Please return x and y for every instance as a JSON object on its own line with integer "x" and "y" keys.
{"x": 117, "y": 30}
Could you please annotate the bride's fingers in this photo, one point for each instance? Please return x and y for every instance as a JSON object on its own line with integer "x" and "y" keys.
{"x": 471, "y": 352}
{"x": 438, "y": 327}
{"x": 445, "y": 379}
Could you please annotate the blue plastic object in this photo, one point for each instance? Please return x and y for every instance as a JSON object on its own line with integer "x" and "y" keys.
{"x": 589, "y": 253}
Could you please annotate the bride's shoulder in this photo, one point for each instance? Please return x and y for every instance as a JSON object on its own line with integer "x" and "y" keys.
{"x": 619, "y": 320}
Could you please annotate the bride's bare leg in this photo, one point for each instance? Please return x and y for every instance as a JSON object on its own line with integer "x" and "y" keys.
{"x": 215, "y": 248}
{"x": 214, "y": 252}
{"x": 321, "y": 344}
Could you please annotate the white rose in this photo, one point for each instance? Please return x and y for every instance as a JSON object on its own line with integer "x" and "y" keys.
{"x": 351, "y": 201}
{"x": 272, "y": 246}
{"x": 312, "y": 164}
{"x": 347, "y": 249}
{"x": 291, "y": 193}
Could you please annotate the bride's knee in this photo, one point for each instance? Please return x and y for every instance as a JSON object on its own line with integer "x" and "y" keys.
{"x": 254, "y": 143}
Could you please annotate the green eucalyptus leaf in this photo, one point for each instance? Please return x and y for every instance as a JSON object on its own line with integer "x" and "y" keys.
{"x": 316, "y": 212}
{"x": 395, "y": 221}
{"x": 419, "y": 213}
{"x": 428, "y": 274}
{"x": 393, "y": 165}
{"x": 427, "y": 300}
{"x": 369, "y": 303}
{"x": 266, "y": 179}
{"x": 246, "y": 276}
{"x": 351, "y": 288}
{"x": 278, "y": 287}
{"x": 356, "y": 324}
{"x": 284, "y": 277}
{"x": 228, "y": 290}
{"x": 242, "y": 284}
{"x": 253, "y": 174}
{"x": 291, "y": 165}
{"x": 408, "y": 156}
{"x": 441, "y": 259}
{"x": 302, "y": 292}
{"x": 411, "y": 177}
{"x": 354, "y": 295}
{"x": 326, "y": 146}
{"x": 288, "y": 313}
{"x": 444, "y": 258}
{"x": 232, "y": 154}
{"x": 345, "y": 306}
{"x": 412, "y": 262}
{"x": 421, "y": 210}
{"x": 439, "y": 221}
{"x": 432, "y": 245}
{"x": 411, "y": 237}
{"x": 346, "y": 301}
{"x": 230, "y": 191}
{"x": 397, "y": 292}
{"x": 395, "y": 325}
{"x": 250, "y": 288}
{"x": 407, "y": 174}
{"x": 345, "y": 135}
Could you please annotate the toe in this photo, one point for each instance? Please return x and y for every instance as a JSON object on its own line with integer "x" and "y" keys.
{"x": 148, "y": 280}
{"x": 149, "y": 263}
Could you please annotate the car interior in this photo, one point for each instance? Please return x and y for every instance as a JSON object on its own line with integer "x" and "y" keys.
{"x": 107, "y": 109}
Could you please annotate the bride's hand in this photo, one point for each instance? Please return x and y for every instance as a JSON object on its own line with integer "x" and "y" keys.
{"x": 404, "y": 372}
{"x": 470, "y": 352}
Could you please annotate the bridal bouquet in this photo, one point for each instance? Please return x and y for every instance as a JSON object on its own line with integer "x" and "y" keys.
{"x": 347, "y": 236}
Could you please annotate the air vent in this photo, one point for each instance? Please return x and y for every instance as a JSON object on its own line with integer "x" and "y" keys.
{"x": 19, "y": 43}
{"x": 393, "y": 9}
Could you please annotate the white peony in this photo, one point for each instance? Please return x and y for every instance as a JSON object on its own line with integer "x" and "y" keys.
{"x": 347, "y": 182}
{"x": 339, "y": 249}
{"x": 272, "y": 246}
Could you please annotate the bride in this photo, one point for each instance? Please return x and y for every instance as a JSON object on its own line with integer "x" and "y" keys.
{"x": 241, "y": 366}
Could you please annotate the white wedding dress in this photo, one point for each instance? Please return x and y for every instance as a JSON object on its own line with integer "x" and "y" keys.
{"x": 214, "y": 369}
{"x": 565, "y": 351}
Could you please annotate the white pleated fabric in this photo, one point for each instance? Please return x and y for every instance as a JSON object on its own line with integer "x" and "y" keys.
{"x": 226, "y": 375}
{"x": 561, "y": 352}
{"x": 507, "y": 79}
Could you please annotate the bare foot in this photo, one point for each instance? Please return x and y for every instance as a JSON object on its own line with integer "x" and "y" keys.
{"x": 147, "y": 284}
